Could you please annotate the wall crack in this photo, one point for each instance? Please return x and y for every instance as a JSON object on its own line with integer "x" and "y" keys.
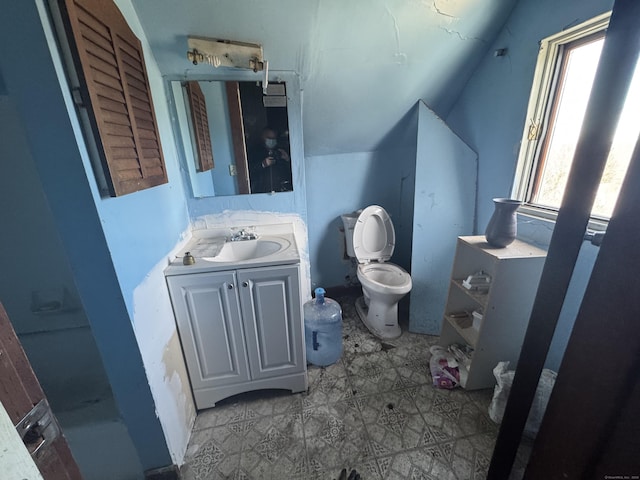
{"x": 400, "y": 56}
{"x": 440, "y": 12}
{"x": 460, "y": 36}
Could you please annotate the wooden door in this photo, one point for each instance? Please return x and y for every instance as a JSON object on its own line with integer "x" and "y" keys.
{"x": 237, "y": 134}
{"x": 20, "y": 392}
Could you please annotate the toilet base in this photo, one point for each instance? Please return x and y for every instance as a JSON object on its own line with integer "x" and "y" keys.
{"x": 384, "y": 332}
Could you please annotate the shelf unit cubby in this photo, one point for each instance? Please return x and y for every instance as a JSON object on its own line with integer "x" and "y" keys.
{"x": 515, "y": 273}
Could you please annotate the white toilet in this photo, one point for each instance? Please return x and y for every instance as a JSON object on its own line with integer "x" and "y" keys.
{"x": 371, "y": 239}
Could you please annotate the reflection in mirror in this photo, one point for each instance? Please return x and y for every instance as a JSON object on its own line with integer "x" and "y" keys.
{"x": 235, "y": 137}
{"x": 200, "y": 125}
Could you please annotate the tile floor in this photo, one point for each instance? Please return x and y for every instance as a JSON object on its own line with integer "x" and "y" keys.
{"x": 375, "y": 410}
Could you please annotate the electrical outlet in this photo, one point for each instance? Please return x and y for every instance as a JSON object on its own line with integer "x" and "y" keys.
{"x": 232, "y": 170}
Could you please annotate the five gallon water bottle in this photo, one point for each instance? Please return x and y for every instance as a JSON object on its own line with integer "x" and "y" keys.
{"x": 323, "y": 330}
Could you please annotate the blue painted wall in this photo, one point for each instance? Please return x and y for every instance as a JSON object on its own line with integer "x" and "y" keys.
{"x": 142, "y": 227}
{"x": 490, "y": 117}
{"x": 111, "y": 243}
{"x": 490, "y": 113}
{"x": 384, "y": 178}
{"x": 445, "y": 195}
{"x": 35, "y": 270}
{"x": 539, "y": 233}
{"x": 358, "y": 78}
{"x": 362, "y": 65}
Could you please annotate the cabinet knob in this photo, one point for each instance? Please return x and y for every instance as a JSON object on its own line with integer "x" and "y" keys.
{"x": 245, "y": 284}
{"x": 230, "y": 286}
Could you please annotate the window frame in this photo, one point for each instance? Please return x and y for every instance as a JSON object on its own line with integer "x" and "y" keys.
{"x": 545, "y": 81}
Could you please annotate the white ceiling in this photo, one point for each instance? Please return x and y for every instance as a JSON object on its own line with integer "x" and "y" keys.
{"x": 362, "y": 63}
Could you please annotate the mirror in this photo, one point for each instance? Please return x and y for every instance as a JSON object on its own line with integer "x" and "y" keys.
{"x": 235, "y": 137}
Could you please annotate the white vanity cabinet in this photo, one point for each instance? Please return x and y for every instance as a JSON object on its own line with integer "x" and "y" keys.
{"x": 240, "y": 330}
{"x": 506, "y": 305}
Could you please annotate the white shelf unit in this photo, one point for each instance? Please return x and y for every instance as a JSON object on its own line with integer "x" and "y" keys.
{"x": 515, "y": 273}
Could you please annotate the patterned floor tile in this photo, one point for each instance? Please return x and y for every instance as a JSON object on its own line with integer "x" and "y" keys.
{"x": 197, "y": 471}
{"x": 365, "y": 364}
{"x": 356, "y": 338}
{"x": 336, "y": 370}
{"x": 418, "y": 464}
{"x": 227, "y": 437}
{"x": 272, "y": 402}
{"x": 410, "y": 340}
{"x": 335, "y": 435}
{"x": 348, "y": 304}
{"x": 214, "y": 452}
{"x": 433, "y": 436}
{"x": 274, "y": 448}
{"x": 376, "y": 380}
{"x": 357, "y": 343}
{"x": 375, "y": 410}
{"x": 482, "y": 398}
{"x": 471, "y": 456}
{"x": 368, "y": 470}
{"x": 328, "y": 390}
{"x": 392, "y": 421}
{"x": 415, "y": 356}
{"x": 224, "y": 412}
{"x": 372, "y": 373}
{"x": 453, "y": 411}
{"x": 414, "y": 375}
{"x": 327, "y": 385}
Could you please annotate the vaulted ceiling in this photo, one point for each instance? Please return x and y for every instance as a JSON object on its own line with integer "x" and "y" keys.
{"x": 362, "y": 63}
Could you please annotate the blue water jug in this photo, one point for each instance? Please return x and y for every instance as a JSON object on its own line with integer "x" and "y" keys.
{"x": 323, "y": 330}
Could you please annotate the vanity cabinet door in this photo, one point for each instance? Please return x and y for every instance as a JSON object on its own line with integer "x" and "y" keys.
{"x": 270, "y": 300}
{"x": 208, "y": 316}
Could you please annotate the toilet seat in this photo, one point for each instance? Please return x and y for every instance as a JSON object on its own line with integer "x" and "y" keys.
{"x": 373, "y": 235}
{"x": 385, "y": 278}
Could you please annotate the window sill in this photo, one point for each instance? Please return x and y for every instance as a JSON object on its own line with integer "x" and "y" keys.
{"x": 550, "y": 215}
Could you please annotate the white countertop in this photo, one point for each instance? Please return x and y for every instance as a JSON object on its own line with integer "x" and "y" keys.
{"x": 208, "y": 243}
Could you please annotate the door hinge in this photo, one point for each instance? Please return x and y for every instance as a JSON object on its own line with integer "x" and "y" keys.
{"x": 38, "y": 428}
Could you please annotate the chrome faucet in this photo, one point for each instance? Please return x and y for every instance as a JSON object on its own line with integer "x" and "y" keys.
{"x": 241, "y": 235}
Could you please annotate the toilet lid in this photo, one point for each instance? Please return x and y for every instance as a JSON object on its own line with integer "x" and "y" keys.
{"x": 373, "y": 235}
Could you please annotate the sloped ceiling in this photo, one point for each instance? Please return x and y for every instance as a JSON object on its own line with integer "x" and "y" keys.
{"x": 363, "y": 63}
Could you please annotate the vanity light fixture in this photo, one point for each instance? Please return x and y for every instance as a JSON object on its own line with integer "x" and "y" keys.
{"x": 225, "y": 53}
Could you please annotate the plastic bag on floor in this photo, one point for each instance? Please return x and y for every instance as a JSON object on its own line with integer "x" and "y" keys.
{"x": 504, "y": 379}
{"x": 444, "y": 368}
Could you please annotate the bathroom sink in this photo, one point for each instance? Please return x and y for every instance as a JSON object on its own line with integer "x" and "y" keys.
{"x": 249, "y": 249}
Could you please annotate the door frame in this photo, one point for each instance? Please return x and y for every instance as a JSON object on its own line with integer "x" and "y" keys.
{"x": 20, "y": 392}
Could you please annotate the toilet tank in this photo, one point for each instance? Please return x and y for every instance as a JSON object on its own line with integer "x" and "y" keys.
{"x": 349, "y": 221}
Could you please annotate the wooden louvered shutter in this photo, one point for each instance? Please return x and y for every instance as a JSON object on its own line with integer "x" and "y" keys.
{"x": 115, "y": 89}
{"x": 200, "y": 120}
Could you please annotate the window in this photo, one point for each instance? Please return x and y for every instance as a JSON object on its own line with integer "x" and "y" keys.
{"x": 562, "y": 84}
{"x": 112, "y": 80}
